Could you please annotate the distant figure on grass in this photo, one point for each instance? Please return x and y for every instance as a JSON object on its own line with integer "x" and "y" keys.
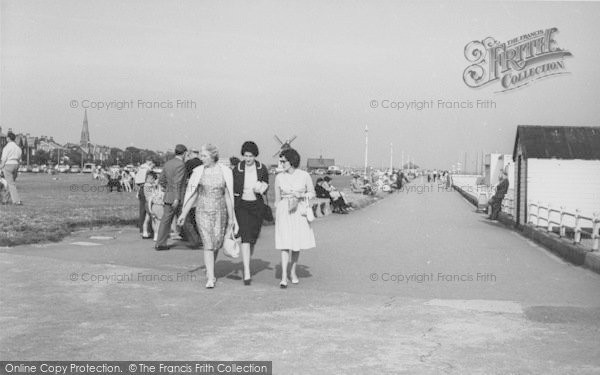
{"x": 9, "y": 164}
{"x": 114, "y": 180}
{"x": 211, "y": 189}
{"x": 496, "y": 200}
{"x": 171, "y": 180}
{"x": 293, "y": 232}
{"x": 125, "y": 181}
{"x": 4, "y": 194}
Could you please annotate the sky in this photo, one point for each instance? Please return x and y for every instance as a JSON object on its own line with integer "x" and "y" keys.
{"x": 320, "y": 70}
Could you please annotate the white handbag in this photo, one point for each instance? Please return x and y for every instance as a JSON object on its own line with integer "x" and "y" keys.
{"x": 232, "y": 244}
{"x": 306, "y": 210}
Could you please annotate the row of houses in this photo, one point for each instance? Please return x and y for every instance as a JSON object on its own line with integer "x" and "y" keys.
{"x": 33, "y": 144}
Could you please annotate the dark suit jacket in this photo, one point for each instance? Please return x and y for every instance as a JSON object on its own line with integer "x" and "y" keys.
{"x": 501, "y": 190}
{"x": 172, "y": 180}
{"x": 190, "y": 165}
{"x": 239, "y": 172}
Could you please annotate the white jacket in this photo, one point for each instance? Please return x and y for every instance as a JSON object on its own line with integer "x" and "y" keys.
{"x": 195, "y": 180}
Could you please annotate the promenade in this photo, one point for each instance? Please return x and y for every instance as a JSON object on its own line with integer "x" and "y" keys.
{"x": 415, "y": 283}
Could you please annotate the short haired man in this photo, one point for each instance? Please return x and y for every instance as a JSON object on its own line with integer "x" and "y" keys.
{"x": 189, "y": 230}
{"x": 9, "y": 164}
{"x": 172, "y": 181}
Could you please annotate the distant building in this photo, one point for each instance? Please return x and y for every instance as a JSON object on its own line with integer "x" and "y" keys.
{"x": 85, "y": 134}
{"x": 556, "y": 165}
{"x": 494, "y": 164}
{"x": 319, "y": 163}
{"x": 48, "y": 144}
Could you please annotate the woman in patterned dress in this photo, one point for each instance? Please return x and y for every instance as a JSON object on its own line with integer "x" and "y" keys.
{"x": 292, "y": 230}
{"x": 211, "y": 189}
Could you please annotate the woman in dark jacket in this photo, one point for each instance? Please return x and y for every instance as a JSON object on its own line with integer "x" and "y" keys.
{"x": 250, "y": 182}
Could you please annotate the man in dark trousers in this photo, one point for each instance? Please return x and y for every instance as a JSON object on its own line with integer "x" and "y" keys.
{"x": 172, "y": 181}
{"x": 189, "y": 231}
{"x": 496, "y": 200}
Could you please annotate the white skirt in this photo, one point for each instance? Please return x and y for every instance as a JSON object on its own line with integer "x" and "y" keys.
{"x": 292, "y": 230}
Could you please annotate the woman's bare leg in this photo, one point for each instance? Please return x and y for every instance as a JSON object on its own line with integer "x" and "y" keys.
{"x": 246, "y": 250}
{"x": 293, "y": 275}
{"x": 285, "y": 257}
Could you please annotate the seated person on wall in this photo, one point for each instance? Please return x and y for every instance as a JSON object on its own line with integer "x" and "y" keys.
{"x": 338, "y": 201}
{"x": 399, "y": 180}
{"x": 321, "y": 192}
{"x": 357, "y": 186}
{"x": 496, "y": 200}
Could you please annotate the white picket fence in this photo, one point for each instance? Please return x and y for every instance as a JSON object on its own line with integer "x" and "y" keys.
{"x": 549, "y": 217}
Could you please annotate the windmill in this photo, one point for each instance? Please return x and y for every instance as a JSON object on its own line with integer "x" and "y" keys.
{"x": 283, "y": 145}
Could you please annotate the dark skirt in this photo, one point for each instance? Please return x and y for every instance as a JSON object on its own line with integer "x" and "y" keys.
{"x": 249, "y": 217}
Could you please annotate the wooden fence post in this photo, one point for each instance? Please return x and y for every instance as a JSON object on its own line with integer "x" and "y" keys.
{"x": 595, "y": 231}
{"x": 561, "y": 231}
{"x": 577, "y": 227}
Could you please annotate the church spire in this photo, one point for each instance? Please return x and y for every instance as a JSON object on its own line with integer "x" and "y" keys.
{"x": 85, "y": 133}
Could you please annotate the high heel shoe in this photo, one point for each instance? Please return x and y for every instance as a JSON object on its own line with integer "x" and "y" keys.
{"x": 211, "y": 283}
{"x": 247, "y": 281}
{"x": 283, "y": 284}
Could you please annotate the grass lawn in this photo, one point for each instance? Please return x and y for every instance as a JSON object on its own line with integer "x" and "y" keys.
{"x": 53, "y": 206}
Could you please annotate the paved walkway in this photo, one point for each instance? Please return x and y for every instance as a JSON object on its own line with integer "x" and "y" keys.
{"x": 390, "y": 289}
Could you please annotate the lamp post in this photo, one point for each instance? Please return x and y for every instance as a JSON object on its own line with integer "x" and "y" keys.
{"x": 366, "y": 147}
{"x": 391, "y": 157}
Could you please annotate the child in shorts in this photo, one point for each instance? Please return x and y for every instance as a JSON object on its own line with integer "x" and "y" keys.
{"x": 155, "y": 204}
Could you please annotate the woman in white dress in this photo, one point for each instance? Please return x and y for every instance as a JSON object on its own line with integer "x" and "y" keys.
{"x": 292, "y": 230}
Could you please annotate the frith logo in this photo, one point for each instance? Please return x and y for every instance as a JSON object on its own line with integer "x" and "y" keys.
{"x": 515, "y": 63}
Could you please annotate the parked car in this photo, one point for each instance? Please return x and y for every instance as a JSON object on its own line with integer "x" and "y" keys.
{"x": 320, "y": 171}
{"x": 35, "y": 168}
{"x": 334, "y": 169}
{"x": 74, "y": 169}
{"x": 62, "y": 168}
{"x": 88, "y": 168}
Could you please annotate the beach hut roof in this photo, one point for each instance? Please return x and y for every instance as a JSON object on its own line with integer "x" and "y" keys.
{"x": 558, "y": 142}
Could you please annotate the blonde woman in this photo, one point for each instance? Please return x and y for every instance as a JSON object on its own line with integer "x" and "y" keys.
{"x": 211, "y": 189}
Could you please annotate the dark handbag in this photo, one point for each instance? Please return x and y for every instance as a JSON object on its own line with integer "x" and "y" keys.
{"x": 267, "y": 213}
